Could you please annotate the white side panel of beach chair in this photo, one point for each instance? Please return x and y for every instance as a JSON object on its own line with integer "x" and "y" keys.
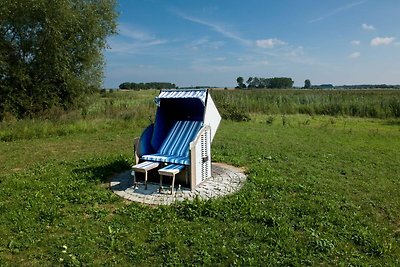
{"x": 212, "y": 116}
{"x": 200, "y": 157}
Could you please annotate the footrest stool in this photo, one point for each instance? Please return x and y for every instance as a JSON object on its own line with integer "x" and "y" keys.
{"x": 170, "y": 170}
{"x": 144, "y": 167}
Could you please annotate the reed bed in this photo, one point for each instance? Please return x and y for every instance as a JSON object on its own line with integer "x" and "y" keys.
{"x": 358, "y": 103}
{"x": 137, "y": 108}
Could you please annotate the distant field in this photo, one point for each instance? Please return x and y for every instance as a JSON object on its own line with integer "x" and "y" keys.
{"x": 322, "y": 189}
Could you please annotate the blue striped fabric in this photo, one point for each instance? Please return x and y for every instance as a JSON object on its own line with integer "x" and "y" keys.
{"x": 145, "y": 165}
{"x": 173, "y": 167}
{"x": 184, "y": 93}
{"x": 175, "y": 148}
{"x": 167, "y": 158}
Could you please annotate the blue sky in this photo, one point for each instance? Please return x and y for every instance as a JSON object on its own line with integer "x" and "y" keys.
{"x": 212, "y": 42}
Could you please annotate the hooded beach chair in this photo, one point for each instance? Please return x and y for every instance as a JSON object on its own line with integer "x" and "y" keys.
{"x": 180, "y": 138}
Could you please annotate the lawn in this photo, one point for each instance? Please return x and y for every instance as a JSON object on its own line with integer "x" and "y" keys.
{"x": 321, "y": 190}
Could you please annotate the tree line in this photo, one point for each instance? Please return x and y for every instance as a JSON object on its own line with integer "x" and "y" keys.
{"x": 369, "y": 86}
{"x": 287, "y": 83}
{"x": 308, "y": 85}
{"x": 256, "y": 82}
{"x": 146, "y": 86}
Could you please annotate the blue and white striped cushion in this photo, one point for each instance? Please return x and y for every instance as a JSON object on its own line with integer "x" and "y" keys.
{"x": 173, "y": 167}
{"x": 167, "y": 158}
{"x": 175, "y": 148}
{"x": 178, "y": 139}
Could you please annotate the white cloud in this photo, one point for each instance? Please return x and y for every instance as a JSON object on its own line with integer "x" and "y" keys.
{"x": 215, "y": 27}
{"x": 131, "y": 32}
{"x": 204, "y": 43}
{"x": 155, "y": 42}
{"x": 269, "y": 43}
{"x": 200, "y": 41}
{"x": 220, "y": 58}
{"x": 123, "y": 47}
{"x": 355, "y": 55}
{"x": 216, "y": 45}
{"x": 296, "y": 52}
{"x": 130, "y": 40}
{"x": 246, "y": 58}
{"x": 382, "y": 41}
{"x": 368, "y": 27}
{"x": 338, "y": 10}
{"x": 196, "y": 44}
{"x": 355, "y": 42}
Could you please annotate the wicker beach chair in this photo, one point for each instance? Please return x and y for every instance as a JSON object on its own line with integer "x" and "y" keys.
{"x": 180, "y": 138}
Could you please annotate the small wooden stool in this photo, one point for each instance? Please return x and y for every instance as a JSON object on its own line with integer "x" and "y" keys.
{"x": 144, "y": 167}
{"x": 170, "y": 170}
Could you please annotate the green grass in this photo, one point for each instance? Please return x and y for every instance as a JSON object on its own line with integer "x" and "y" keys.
{"x": 322, "y": 190}
{"x": 106, "y": 111}
{"x": 359, "y": 103}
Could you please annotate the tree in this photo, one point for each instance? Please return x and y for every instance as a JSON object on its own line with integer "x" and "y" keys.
{"x": 276, "y": 82}
{"x": 51, "y": 52}
{"x": 125, "y": 85}
{"x": 249, "y": 80}
{"x": 307, "y": 84}
{"x": 280, "y": 82}
{"x": 145, "y": 86}
{"x": 255, "y": 82}
{"x": 240, "y": 82}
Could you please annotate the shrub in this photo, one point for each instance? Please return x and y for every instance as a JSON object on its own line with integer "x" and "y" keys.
{"x": 230, "y": 112}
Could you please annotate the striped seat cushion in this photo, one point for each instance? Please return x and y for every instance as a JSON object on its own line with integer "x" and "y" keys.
{"x": 175, "y": 147}
{"x": 171, "y": 169}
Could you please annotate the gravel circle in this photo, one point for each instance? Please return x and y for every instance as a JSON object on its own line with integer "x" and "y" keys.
{"x": 225, "y": 179}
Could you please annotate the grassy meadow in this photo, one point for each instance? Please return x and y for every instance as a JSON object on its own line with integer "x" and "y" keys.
{"x": 360, "y": 103}
{"x": 323, "y": 185}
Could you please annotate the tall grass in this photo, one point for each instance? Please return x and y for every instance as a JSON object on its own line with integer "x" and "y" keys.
{"x": 127, "y": 105}
{"x": 119, "y": 109}
{"x": 105, "y": 111}
{"x": 359, "y": 103}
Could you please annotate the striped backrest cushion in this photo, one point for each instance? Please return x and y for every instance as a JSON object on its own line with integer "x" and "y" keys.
{"x": 179, "y": 137}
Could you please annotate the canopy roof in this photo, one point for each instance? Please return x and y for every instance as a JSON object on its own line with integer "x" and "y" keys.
{"x": 200, "y": 94}
{"x": 185, "y": 104}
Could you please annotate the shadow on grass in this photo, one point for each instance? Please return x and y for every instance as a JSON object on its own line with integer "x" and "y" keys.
{"x": 103, "y": 173}
{"x": 123, "y": 181}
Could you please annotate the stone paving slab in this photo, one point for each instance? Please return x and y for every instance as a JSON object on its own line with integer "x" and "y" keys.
{"x": 225, "y": 179}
